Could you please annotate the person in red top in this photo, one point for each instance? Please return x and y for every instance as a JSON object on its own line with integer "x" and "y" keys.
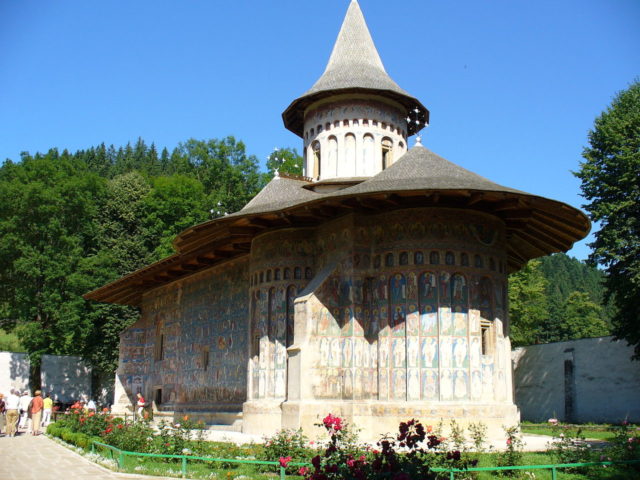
{"x": 140, "y": 406}
{"x": 36, "y": 412}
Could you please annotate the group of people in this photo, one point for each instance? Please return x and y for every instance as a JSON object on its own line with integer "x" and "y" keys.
{"x": 24, "y": 412}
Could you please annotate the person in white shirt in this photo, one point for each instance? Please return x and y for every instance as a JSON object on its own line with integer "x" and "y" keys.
{"x": 12, "y": 404}
{"x": 25, "y": 400}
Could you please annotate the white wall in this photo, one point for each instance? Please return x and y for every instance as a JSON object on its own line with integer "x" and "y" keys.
{"x": 605, "y": 386}
{"x": 67, "y": 378}
{"x": 14, "y": 372}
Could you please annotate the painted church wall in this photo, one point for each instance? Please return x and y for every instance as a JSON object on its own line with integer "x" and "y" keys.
{"x": 282, "y": 263}
{"x": 410, "y": 308}
{"x": 189, "y": 348}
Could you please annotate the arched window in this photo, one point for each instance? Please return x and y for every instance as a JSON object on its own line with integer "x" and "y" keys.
{"x": 434, "y": 258}
{"x": 315, "y": 147}
{"x": 449, "y": 258}
{"x": 297, "y": 273}
{"x": 368, "y": 154}
{"x": 464, "y": 260}
{"x": 388, "y": 260}
{"x": 271, "y": 314}
{"x": 261, "y": 277}
{"x": 268, "y": 275}
{"x": 387, "y": 152}
{"x": 276, "y": 274}
{"x": 332, "y": 155}
{"x": 404, "y": 258}
{"x": 477, "y": 260}
{"x": 291, "y": 296}
{"x": 418, "y": 258}
{"x": 350, "y": 149}
{"x": 287, "y": 273}
{"x": 159, "y": 343}
{"x": 308, "y": 273}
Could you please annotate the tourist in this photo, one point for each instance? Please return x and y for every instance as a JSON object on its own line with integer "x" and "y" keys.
{"x": 140, "y": 405}
{"x": 47, "y": 408}
{"x": 12, "y": 405}
{"x": 25, "y": 400}
{"x": 36, "y": 412}
{"x": 2, "y": 413}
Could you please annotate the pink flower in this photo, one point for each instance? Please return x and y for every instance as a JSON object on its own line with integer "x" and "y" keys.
{"x": 350, "y": 462}
{"x": 284, "y": 461}
{"x": 508, "y": 441}
{"x": 302, "y": 471}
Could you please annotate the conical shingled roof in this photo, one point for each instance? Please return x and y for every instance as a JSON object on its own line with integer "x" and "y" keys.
{"x": 421, "y": 169}
{"x": 280, "y": 192}
{"x": 354, "y": 66}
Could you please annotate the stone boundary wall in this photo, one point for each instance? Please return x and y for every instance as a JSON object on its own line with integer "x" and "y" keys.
{"x": 587, "y": 380}
{"x": 68, "y": 378}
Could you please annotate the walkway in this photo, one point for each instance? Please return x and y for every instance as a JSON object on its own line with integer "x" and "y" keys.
{"x": 26, "y": 457}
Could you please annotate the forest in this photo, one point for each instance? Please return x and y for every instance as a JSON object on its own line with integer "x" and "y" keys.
{"x": 71, "y": 222}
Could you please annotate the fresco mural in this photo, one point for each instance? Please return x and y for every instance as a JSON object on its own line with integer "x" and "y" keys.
{"x": 416, "y": 315}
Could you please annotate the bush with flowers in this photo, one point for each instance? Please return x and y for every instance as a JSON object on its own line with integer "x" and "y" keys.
{"x": 410, "y": 454}
{"x": 285, "y": 446}
{"x": 625, "y": 444}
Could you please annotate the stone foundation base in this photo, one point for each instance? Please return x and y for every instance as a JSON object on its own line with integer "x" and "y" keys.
{"x": 374, "y": 419}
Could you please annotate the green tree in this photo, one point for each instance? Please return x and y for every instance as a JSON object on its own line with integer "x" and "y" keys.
{"x": 581, "y": 319}
{"x": 174, "y": 204}
{"x": 47, "y": 229}
{"x": 610, "y": 182}
{"x": 528, "y": 306}
{"x": 285, "y": 160}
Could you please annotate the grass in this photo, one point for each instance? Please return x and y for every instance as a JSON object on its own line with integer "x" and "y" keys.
{"x": 596, "y": 432}
{"x": 218, "y": 471}
{"x": 623, "y": 472}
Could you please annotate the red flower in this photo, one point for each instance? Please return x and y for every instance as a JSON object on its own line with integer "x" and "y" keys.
{"x": 331, "y": 422}
{"x": 108, "y": 430}
{"x": 105, "y": 410}
{"x": 91, "y": 414}
{"x": 508, "y": 441}
{"x": 82, "y": 419}
{"x": 120, "y": 426}
{"x": 302, "y": 471}
{"x": 284, "y": 461}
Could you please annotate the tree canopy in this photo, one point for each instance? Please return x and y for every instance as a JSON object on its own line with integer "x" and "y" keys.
{"x": 558, "y": 298}
{"x": 610, "y": 182}
{"x": 70, "y": 223}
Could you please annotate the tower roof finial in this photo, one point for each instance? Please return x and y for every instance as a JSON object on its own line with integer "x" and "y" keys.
{"x": 354, "y": 67}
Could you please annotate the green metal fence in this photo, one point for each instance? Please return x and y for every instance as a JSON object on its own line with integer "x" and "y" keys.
{"x": 120, "y": 456}
{"x": 554, "y": 468}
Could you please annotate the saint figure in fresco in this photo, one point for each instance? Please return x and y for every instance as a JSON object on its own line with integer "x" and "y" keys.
{"x": 428, "y": 286}
{"x": 428, "y": 321}
{"x": 414, "y": 385}
{"x": 398, "y": 286}
{"x": 460, "y": 351}
{"x": 412, "y": 351}
{"x": 476, "y": 384}
{"x": 446, "y": 387}
{"x": 459, "y": 284}
{"x": 460, "y": 384}
{"x": 445, "y": 352}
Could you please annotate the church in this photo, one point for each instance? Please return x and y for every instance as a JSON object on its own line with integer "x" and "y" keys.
{"x": 373, "y": 288}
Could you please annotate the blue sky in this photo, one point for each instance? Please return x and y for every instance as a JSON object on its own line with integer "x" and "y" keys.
{"x": 513, "y": 86}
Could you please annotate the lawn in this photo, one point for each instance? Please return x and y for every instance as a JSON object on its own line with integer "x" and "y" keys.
{"x": 595, "y": 432}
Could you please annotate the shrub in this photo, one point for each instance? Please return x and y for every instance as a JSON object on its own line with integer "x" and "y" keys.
{"x": 285, "y": 443}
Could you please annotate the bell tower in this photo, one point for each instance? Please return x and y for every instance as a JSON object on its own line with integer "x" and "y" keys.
{"x": 355, "y": 120}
